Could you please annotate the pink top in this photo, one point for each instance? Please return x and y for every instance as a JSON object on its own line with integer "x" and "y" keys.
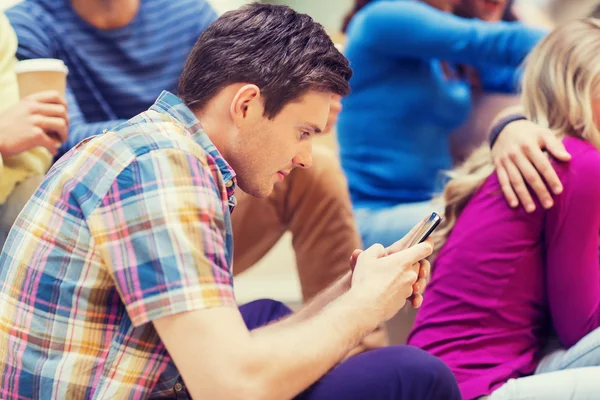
{"x": 504, "y": 276}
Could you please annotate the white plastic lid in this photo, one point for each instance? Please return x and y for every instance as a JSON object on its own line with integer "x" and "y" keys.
{"x": 41, "y": 64}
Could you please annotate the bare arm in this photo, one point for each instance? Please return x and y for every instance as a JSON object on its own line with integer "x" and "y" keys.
{"x": 520, "y": 160}
{"x": 284, "y": 358}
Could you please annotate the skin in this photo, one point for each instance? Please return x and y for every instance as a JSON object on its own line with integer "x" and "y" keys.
{"x": 444, "y": 5}
{"x": 300, "y": 349}
{"x": 486, "y": 10}
{"x": 263, "y": 151}
{"x": 37, "y": 120}
{"x": 107, "y": 14}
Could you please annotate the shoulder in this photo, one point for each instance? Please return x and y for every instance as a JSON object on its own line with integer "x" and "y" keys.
{"x": 585, "y": 161}
{"x": 28, "y": 15}
{"x": 580, "y": 176}
{"x": 151, "y": 131}
{"x": 35, "y": 27}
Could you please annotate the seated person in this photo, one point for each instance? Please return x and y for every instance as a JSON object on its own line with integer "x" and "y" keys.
{"x": 31, "y": 130}
{"x": 409, "y": 93}
{"x": 504, "y": 280}
{"x": 127, "y": 288}
{"x": 121, "y": 55}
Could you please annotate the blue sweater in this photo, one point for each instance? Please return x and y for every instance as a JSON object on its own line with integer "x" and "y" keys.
{"x": 394, "y": 128}
{"x": 113, "y": 74}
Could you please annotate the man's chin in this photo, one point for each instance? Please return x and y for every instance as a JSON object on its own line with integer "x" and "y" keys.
{"x": 256, "y": 191}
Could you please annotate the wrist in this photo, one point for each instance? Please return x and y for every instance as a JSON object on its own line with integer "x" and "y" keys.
{"x": 502, "y": 123}
{"x": 365, "y": 308}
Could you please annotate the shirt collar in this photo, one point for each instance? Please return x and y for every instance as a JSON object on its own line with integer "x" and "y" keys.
{"x": 168, "y": 103}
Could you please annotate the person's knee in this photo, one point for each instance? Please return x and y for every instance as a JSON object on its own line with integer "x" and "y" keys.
{"x": 267, "y": 306}
{"x": 425, "y": 374}
{"x": 262, "y": 312}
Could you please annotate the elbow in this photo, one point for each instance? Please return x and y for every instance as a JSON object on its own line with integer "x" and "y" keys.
{"x": 258, "y": 379}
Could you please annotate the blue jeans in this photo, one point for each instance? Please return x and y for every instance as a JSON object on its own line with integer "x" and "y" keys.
{"x": 561, "y": 374}
{"x": 390, "y": 373}
{"x": 388, "y": 225}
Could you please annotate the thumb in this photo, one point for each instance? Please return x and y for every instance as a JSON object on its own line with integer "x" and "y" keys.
{"x": 354, "y": 258}
{"x": 556, "y": 147}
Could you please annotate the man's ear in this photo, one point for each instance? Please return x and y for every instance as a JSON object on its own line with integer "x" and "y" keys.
{"x": 246, "y": 105}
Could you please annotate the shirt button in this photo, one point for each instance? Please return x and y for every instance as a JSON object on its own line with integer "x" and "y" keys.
{"x": 178, "y": 387}
{"x": 229, "y": 183}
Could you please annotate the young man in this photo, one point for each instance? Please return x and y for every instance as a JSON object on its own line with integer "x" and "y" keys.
{"x": 125, "y": 290}
{"x": 121, "y": 54}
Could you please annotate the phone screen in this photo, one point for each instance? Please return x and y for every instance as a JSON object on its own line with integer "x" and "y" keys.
{"x": 427, "y": 227}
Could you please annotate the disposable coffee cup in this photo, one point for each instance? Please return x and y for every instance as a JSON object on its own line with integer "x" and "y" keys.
{"x": 41, "y": 74}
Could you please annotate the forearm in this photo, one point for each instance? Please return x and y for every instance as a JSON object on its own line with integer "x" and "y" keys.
{"x": 321, "y": 300}
{"x": 299, "y": 354}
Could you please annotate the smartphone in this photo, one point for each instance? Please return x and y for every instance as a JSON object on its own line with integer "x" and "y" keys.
{"x": 427, "y": 227}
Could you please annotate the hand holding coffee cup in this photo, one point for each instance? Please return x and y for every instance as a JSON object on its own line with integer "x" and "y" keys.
{"x": 38, "y": 120}
{"x": 42, "y": 87}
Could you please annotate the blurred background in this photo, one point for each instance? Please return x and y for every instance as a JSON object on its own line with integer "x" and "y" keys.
{"x": 275, "y": 276}
{"x": 329, "y": 13}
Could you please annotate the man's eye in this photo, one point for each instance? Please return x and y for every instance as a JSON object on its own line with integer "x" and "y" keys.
{"x": 304, "y": 135}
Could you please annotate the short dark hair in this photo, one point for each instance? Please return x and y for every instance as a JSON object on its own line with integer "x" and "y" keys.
{"x": 283, "y": 52}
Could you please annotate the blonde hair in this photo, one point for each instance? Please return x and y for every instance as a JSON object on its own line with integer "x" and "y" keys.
{"x": 560, "y": 81}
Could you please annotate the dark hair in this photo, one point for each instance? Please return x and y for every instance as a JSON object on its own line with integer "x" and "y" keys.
{"x": 358, "y": 4}
{"x": 282, "y": 52}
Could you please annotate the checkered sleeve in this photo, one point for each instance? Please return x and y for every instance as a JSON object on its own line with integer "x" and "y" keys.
{"x": 161, "y": 233}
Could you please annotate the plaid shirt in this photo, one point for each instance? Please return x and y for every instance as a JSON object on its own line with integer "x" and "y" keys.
{"x": 128, "y": 227}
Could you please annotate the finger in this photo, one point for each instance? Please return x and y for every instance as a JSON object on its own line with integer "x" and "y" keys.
{"x": 402, "y": 243}
{"x": 354, "y": 258}
{"x": 416, "y": 300}
{"x": 543, "y": 165}
{"x": 556, "y": 147}
{"x": 412, "y": 255}
{"x": 48, "y": 96}
{"x": 53, "y": 125}
{"x": 425, "y": 269}
{"x": 507, "y": 189}
{"x": 518, "y": 184}
{"x": 51, "y": 110}
{"x": 419, "y": 285}
{"x": 42, "y": 139}
{"x": 532, "y": 176}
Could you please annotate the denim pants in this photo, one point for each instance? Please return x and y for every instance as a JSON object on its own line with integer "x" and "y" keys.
{"x": 561, "y": 374}
{"x": 390, "y": 373}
